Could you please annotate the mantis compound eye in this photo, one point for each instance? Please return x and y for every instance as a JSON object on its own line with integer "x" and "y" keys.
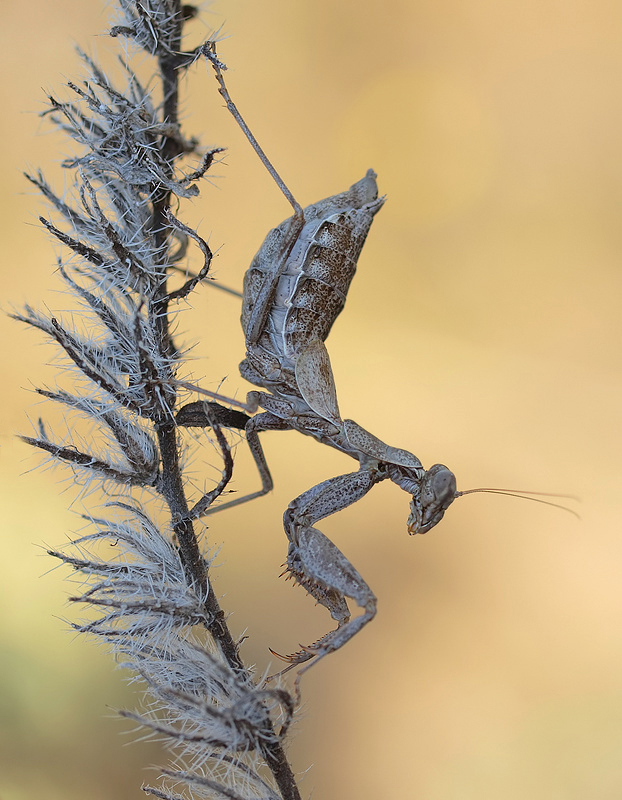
{"x": 437, "y": 493}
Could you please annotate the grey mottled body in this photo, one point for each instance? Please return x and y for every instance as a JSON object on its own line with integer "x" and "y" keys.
{"x": 294, "y": 289}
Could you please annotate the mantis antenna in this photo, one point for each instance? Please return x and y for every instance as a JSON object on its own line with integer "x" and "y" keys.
{"x": 524, "y": 495}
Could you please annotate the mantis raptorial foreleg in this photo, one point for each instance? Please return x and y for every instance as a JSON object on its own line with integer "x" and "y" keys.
{"x": 320, "y": 567}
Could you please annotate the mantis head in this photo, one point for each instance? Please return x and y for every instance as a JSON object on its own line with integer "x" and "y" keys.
{"x": 436, "y": 493}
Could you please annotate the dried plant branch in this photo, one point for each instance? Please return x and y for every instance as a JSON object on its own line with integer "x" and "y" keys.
{"x": 141, "y": 567}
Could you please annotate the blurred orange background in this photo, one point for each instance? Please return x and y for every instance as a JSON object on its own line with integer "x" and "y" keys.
{"x": 482, "y": 331}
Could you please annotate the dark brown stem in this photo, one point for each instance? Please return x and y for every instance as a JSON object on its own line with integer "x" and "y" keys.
{"x": 172, "y": 486}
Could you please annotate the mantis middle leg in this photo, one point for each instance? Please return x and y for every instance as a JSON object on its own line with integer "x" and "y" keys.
{"x": 193, "y": 415}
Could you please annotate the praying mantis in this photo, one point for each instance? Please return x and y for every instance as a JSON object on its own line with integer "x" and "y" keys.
{"x": 294, "y": 289}
{"x": 291, "y": 299}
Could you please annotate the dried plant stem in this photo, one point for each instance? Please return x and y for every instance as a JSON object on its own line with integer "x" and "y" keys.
{"x": 167, "y": 431}
{"x": 158, "y": 608}
{"x": 274, "y": 754}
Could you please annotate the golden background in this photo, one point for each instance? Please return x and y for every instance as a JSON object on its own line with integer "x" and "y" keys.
{"x": 482, "y": 331}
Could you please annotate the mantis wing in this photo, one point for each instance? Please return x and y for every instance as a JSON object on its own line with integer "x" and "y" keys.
{"x": 314, "y": 376}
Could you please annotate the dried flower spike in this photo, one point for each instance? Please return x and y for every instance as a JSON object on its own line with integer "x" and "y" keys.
{"x": 139, "y": 565}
